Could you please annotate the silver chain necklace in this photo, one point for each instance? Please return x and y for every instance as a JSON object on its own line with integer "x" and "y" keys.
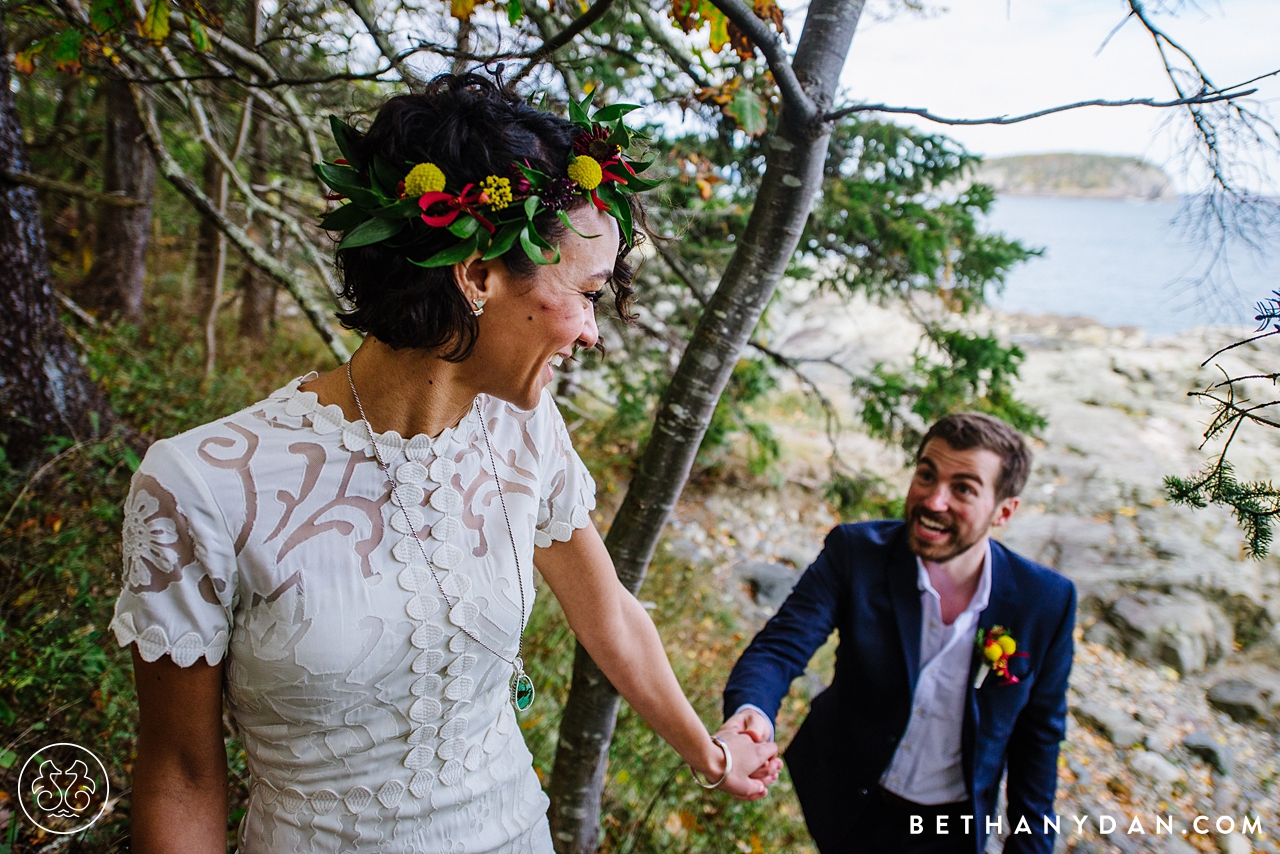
{"x": 522, "y": 692}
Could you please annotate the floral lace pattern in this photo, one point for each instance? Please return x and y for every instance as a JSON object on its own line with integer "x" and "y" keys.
{"x": 370, "y": 719}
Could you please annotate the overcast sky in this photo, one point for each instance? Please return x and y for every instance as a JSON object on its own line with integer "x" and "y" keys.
{"x": 992, "y": 57}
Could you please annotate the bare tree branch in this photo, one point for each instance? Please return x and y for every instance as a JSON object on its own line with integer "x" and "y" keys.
{"x": 1225, "y": 137}
{"x": 1205, "y": 98}
{"x": 680, "y": 268}
{"x": 562, "y": 38}
{"x": 252, "y": 203}
{"x": 52, "y": 185}
{"x": 675, "y": 51}
{"x": 542, "y": 19}
{"x": 411, "y": 78}
{"x": 288, "y": 98}
{"x": 251, "y": 83}
{"x": 828, "y": 408}
{"x": 293, "y": 280}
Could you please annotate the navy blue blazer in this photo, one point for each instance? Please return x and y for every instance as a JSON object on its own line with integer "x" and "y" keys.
{"x": 864, "y": 584}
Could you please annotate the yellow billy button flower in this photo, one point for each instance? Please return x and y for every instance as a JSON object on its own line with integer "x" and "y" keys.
{"x": 993, "y": 651}
{"x": 1008, "y": 644}
{"x": 498, "y": 191}
{"x": 422, "y": 179}
{"x": 586, "y": 172}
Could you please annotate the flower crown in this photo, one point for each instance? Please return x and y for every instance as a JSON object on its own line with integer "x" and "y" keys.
{"x": 405, "y": 210}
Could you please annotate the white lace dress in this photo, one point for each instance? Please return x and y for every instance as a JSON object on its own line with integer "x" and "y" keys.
{"x": 370, "y": 720}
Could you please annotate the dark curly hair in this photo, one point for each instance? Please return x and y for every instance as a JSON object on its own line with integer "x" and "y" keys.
{"x": 470, "y": 126}
{"x": 966, "y": 430}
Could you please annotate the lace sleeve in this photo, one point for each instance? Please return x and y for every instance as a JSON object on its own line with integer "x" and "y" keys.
{"x": 568, "y": 493}
{"x": 178, "y": 590}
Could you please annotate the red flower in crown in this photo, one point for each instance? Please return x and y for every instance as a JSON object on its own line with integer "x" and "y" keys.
{"x": 595, "y": 144}
{"x": 466, "y": 201}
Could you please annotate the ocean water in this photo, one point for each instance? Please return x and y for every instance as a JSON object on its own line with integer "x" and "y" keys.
{"x": 1126, "y": 263}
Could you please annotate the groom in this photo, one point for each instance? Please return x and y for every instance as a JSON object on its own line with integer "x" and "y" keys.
{"x": 905, "y": 750}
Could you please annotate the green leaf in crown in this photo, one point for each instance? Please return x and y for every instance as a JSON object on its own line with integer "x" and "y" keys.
{"x": 411, "y": 210}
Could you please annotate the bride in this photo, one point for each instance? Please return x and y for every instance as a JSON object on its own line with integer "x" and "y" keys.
{"x": 350, "y": 561}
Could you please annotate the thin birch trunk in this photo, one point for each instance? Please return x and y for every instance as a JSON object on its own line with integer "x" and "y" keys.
{"x": 293, "y": 280}
{"x": 793, "y": 176}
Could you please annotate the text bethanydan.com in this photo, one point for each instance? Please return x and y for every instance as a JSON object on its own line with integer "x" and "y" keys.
{"x": 1104, "y": 824}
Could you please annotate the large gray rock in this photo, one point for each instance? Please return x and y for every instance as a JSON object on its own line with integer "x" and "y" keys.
{"x": 1116, "y": 726}
{"x": 1245, "y": 702}
{"x": 1105, "y": 634}
{"x": 1181, "y": 629}
{"x": 1201, "y": 743}
{"x": 1155, "y": 768}
{"x": 770, "y": 583}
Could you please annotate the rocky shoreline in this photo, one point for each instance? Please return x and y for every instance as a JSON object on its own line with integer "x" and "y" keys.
{"x": 1175, "y": 694}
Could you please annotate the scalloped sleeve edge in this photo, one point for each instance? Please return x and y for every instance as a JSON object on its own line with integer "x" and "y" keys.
{"x": 568, "y": 516}
{"x": 154, "y": 642}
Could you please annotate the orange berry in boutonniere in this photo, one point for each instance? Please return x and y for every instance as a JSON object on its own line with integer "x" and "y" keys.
{"x": 992, "y": 651}
{"x": 1007, "y": 644}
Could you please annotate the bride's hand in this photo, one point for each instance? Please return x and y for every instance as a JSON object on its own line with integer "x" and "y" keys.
{"x": 746, "y": 781}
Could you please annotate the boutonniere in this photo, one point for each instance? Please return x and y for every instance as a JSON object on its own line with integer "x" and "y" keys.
{"x": 995, "y": 647}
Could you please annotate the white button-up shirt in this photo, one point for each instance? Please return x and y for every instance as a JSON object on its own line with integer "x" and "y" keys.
{"x": 926, "y": 767}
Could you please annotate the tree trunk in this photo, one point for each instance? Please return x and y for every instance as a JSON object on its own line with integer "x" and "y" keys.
{"x": 793, "y": 176}
{"x": 115, "y": 281}
{"x": 211, "y": 259}
{"x": 255, "y": 290}
{"x": 44, "y": 390}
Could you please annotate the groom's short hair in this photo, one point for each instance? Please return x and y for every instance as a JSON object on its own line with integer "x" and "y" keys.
{"x": 966, "y": 430}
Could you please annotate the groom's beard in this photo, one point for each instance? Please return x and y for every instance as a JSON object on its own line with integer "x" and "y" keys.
{"x": 958, "y": 541}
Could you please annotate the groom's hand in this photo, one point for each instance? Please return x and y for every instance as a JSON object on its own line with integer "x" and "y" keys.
{"x": 755, "y": 726}
{"x": 753, "y": 723}
{"x": 753, "y": 765}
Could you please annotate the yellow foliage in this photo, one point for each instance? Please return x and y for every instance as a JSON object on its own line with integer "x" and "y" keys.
{"x": 462, "y": 9}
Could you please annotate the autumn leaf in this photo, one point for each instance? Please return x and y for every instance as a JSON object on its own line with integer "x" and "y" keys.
{"x": 155, "y": 26}
{"x": 199, "y": 36}
{"x": 719, "y": 25}
{"x": 25, "y": 61}
{"x": 685, "y": 14}
{"x": 749, "y": 110}
{"x": 740, "y": 43}
{"x": 462, "y": 9}
{"x": 721, "y": 95}
{"x": 64, "y": 49}
{"x": 691, "y": 15}
{"x": 767, "y": 10}
{"x": 108, "y": 15}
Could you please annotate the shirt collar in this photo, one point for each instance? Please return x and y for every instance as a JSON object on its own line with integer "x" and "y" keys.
{"x": 981, "y": 596}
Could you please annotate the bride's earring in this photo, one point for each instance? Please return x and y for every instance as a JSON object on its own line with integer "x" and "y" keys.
{"x": 479, "y": 307}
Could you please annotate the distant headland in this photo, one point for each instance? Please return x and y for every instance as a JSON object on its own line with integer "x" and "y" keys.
{"x": 1094, "y": 176}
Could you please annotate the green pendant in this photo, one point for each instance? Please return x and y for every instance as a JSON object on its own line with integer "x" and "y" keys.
{"x": 522, "y": 691}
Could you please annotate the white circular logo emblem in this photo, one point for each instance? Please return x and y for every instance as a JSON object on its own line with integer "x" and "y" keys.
{"x": 63, "y": 788}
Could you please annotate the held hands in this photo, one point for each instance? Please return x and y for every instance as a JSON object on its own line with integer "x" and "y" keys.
{"x": 749, "y": 738}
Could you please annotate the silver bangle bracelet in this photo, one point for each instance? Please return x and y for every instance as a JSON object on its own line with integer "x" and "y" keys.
{"x": 728, "y": 766}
